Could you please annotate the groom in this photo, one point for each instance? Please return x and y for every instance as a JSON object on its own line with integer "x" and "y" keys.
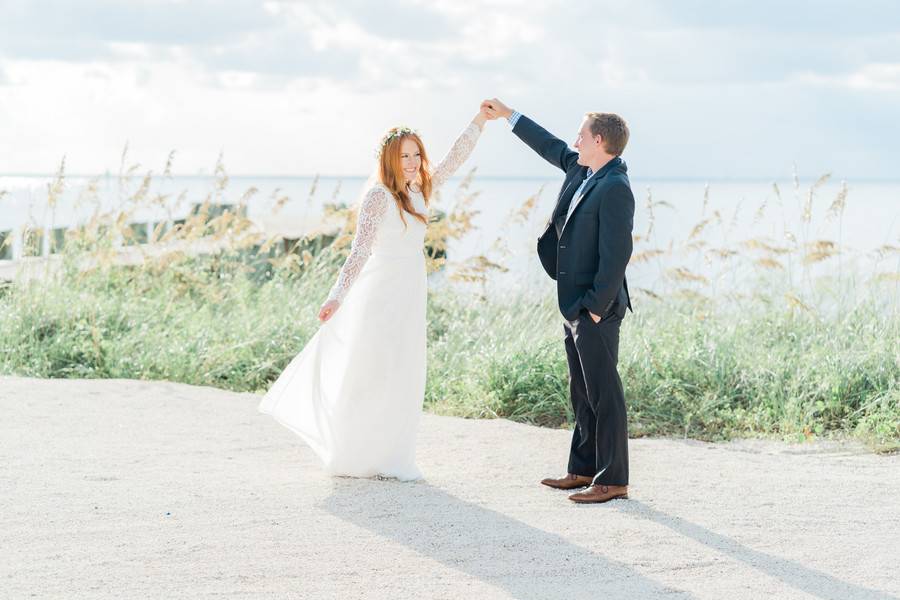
{"x": 585, "y": 247}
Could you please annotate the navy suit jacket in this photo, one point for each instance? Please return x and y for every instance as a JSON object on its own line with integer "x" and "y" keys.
{"x": 587, "y": 254}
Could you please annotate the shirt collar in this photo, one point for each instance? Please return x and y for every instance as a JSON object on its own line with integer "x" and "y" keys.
{"x": 617, "y": 160}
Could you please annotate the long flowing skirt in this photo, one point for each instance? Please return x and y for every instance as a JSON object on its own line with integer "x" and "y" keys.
{"x": 354, "y": 393}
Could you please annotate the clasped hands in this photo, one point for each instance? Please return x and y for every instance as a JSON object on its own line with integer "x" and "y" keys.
{"x": 495, "y": 109}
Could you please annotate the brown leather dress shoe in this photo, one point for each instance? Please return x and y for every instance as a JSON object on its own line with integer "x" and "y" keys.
{"x": 600, "y": 493}
{"x": 569, "y": 482}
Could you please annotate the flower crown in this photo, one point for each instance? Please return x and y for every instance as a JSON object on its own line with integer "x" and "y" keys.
{"x": 392, "y": 133}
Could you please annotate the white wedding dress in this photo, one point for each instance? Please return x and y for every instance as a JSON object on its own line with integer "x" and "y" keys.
{"x": 354, "y": 393}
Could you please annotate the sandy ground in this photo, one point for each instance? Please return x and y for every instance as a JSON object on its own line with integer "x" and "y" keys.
{"x": 134, "y": 489}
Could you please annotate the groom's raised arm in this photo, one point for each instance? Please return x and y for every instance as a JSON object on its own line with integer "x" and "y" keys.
{"x": 551, "y": 148}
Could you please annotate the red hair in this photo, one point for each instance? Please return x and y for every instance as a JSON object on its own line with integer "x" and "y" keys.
{"x": 390, "y": 173}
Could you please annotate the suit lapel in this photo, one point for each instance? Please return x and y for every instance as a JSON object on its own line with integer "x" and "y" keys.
{"x": 562, "y": 206}
{"x": 609, "y": 166}
{"x": 559, "y": 211}
{"x": 587, "y": 189}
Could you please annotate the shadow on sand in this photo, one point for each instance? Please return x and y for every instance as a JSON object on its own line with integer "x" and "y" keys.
{"x": 532, "y": 564}
{"x": 526, "y": 562}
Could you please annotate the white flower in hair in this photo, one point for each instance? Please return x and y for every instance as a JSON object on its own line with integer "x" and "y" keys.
{"x": 392, "y": 133}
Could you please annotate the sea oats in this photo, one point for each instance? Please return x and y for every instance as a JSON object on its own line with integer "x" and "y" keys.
{"x": 522, "y": 213}
{"x": 698, "y": 228}
{"x": 806, "y": 216}
{"x": 650, "y": 216}
{"x": 646, "y": 255}
{"x": 768, "y": 263}
{"x": 758, "y": 244}
{"x": 840, "y": 201}
{"x": 684, "y": 274}
{"x": 794, "y": 301}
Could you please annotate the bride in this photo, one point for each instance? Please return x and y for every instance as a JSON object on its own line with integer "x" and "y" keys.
{"x": 354, "y": 393}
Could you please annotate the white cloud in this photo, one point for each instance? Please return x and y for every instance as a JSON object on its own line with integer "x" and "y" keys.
{"x": 303, "y": 87}
{"x": 870, "y": 77}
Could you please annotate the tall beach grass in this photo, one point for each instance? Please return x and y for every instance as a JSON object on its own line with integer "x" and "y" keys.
{"x": 808, "y": 350}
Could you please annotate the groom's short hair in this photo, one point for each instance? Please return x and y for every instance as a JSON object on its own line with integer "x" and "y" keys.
{"x": 612, "y": 128}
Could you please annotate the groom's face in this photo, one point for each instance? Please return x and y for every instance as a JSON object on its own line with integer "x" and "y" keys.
{"x": 587, "y": 144}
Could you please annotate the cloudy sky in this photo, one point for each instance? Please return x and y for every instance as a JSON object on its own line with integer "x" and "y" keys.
{"x": 710, "y": 89}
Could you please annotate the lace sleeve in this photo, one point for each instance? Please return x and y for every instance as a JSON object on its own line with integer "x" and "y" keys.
{"x": 371, "y": 213}
{"x": 457, "y": 155}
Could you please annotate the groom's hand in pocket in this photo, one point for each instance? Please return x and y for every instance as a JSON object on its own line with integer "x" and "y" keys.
{"x": 594, "y": 317}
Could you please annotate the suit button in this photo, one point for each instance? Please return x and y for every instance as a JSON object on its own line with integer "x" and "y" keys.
{"x": 562, "y": 272}
{"x": 562, "y": 247}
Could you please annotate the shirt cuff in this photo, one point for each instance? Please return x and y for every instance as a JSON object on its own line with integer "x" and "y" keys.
{"x": 513, "y": 118}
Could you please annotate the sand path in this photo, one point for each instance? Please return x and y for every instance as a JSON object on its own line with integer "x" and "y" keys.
{"x": 136, "y": 489}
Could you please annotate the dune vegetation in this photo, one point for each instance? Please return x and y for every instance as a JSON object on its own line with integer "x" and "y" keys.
{"x": 803, "y": 353}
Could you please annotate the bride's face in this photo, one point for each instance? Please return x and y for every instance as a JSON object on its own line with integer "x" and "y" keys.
{"x": 410, "y": 159}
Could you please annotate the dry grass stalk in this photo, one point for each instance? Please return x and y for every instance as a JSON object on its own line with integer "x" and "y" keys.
{"x": 758, "y": 244}
{"x": 817, "y": 256}
{"x": 650, "y": 293}
{"x": 645, "y": 255}
{"x": 795, "y": 302}
{"x": 313, "y": 188}
{"x": 691, "y": 295}
{"x": 695, "y": 245}
{"x": 819, "y": 250}
{"x": 476, "y": 269}
{"x": 55, "y": 188}
{"x": 722, "y": 253}
{"x": 886, "y": 250}
{"x": 698, "y": 228}
{"x": 807, "y": 207}
{"x": 887, "y": 277}
{"x": 761, "y": 209}
{"x": 840, "y": 201}
{"x": 768, "y": 263}
{"x": 684, "y": 274}
{"x": 521, "y": 214}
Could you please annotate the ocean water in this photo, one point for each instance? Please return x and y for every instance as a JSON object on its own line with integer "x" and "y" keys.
{"x": 683, "y": 225}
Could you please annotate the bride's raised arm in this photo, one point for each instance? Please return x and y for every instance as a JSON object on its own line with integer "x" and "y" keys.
{"x": 459, "y": 152}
